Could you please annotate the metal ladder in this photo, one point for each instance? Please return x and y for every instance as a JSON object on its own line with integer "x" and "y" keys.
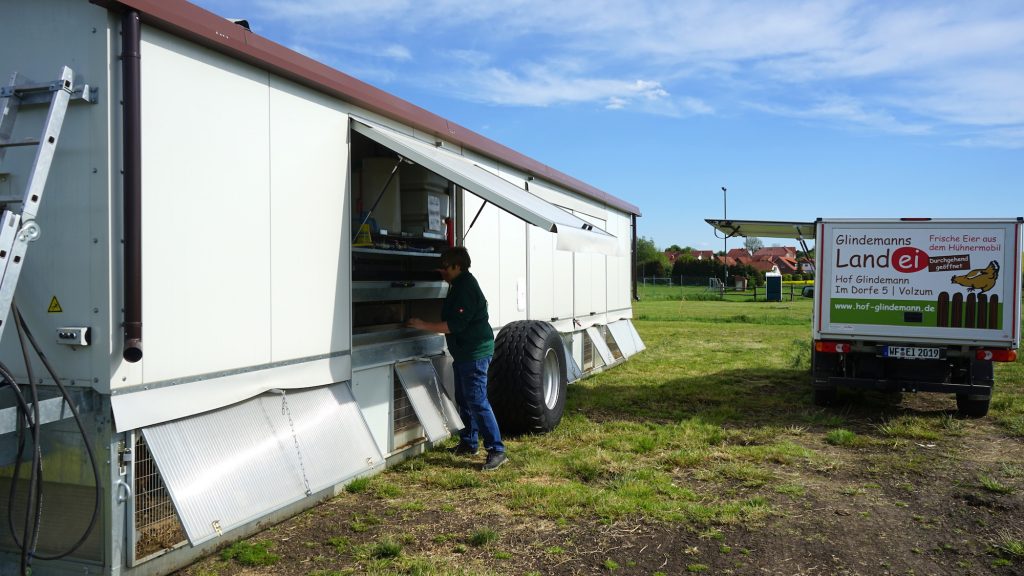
{"x": 18, "y": 230}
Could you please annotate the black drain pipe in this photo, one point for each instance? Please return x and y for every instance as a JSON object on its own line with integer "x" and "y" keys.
{"x": 132, "y": 142}
{"x": 632, "y": 259}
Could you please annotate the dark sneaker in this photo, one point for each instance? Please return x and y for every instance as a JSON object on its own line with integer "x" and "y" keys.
{"x": 494, "y": 461}
{"x": 463, "y": 450}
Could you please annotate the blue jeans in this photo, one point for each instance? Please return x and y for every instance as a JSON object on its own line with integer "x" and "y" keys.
{"x": 474, "y": 407}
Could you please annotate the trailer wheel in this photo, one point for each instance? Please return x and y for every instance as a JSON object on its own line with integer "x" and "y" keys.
{"x": 971, "y": 406}
{"x": 527, "y": 378}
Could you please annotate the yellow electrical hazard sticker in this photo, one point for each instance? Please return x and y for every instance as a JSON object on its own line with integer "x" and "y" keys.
{"x": 54, "y": 306}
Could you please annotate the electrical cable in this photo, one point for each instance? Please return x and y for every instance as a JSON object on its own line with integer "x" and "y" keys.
{"x": 34, "y": 509}
{"x": 24, "y": 423}
{"x": 30, "y": 418}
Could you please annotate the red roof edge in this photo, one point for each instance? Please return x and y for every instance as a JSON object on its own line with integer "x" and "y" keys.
{"x": 208, "y": 29}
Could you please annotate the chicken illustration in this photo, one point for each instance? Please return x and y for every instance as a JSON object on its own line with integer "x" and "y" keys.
{"x": 983, "y": 279}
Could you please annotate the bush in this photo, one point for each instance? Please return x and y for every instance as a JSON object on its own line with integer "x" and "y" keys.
{"x": 787, "y": 277}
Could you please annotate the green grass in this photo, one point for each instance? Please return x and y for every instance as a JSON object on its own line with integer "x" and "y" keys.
{"x": 482, "y": 537}
{"x": 358, "y": 485}
{"x": 993, "y": 485}
{"x": 251, "y": 553}
{"x": 841, "y": 437}
{"x": 711, "y": 427}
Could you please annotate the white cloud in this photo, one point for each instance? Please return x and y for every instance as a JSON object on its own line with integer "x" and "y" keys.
{"x": 548, "y": 85}
{"x": 1010, "y": 138}
{"x": 847, "y": 111}
{"x": 396, "y": 52}
{"x": 896, "y": 67}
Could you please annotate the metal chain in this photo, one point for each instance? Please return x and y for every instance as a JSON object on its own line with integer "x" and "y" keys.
{"x": 302, "y": 468}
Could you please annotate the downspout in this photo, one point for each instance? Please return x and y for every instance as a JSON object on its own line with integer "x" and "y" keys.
{"x": 632, "y": 259}
{"x": 132, "y": 151}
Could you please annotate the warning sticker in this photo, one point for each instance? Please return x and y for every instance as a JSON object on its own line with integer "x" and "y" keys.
{"x": 54, "y": 306}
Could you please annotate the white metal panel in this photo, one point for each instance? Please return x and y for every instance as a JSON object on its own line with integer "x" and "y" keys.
{"x": 511, "y": 258}
{"x": 206, "y": 210}
{"x": 637, "y": 341}
{"x": 372, "y": 390}
{"x": 71, "y": 260}
{"x": 435, "y": 411}
{"x": 226, "y": 468}
{"x": 573, "y": 371}
{"x": 599, "y": 284}
{"x": 493, "y": 188}
{"x": 541, "y": 259}
{"x": 618, "y": 271}
{"x": 583, "y": 294}
{"x": 483, "y": 242}
{"x": 623, "y": 337}
{"x": 164, "y": 403}
{"x": 567, "y": 200}
{"x": 562, "y": 284}
{"x": 600, "y": 345}
{"x": 309, "y": 250}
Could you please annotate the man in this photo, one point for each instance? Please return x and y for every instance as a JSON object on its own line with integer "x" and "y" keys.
{"x": 464, "y": 322}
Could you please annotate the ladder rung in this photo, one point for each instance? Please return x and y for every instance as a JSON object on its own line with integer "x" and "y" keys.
{"x": 16, "y": 143}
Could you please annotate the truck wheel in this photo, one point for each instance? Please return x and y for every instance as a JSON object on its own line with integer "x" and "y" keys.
{"x": 822, "y": 366}
{"x": 824, "y": 396}
{"x": 971, "y": 406}
{"x": 527, "y": 379}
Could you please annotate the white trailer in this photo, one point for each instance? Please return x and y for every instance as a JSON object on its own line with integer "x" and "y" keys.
{"x": 911, "y": 304}
{"x": 231, "y": 240}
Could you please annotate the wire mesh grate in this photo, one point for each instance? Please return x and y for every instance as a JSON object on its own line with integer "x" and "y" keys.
{"x": 157, "y": 526}
{"x": 405, "y": 416}
{"x": 609, "y": 339}
{"x": 588, "y": 353}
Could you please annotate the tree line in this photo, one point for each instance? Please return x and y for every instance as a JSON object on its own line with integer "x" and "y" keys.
{"x": 653, "y": 262}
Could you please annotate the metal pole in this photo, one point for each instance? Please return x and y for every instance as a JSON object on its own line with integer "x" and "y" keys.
{"x": 725, "y": 241}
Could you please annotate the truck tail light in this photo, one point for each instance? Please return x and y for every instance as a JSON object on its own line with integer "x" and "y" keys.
{"x": 827, "y": 347}
{"x": 996, "y": 355}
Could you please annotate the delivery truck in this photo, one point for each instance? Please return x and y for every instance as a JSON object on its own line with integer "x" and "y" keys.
{"x": 216, "y": 244}
{"x": 910, "y": 304}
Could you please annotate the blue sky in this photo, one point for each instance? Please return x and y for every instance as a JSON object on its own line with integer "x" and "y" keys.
{"x": 801, "y": 109}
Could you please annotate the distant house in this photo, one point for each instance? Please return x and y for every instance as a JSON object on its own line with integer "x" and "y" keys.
{"x": 729, "y": 261}
{"x": 807, "y": 266}
{"x": 775, "y": 251}
{"x": 786, "y": 265}
{"x": 703, "y": 254}
{"x": 738, "y": 253}
{"x": 762, "y": 265}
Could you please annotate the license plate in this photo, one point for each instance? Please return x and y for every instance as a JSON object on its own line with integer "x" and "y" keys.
{"x": 912, "y": 352}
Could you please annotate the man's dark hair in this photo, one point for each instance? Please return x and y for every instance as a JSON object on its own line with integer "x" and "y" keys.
{"x": 456, "y": 256}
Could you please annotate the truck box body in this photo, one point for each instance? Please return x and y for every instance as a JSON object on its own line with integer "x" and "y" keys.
{"x": 946, "y": 282}
{"x": 272, "y": 331}
{"x": 916, "y": 305}
{"x": 909, "y": 305}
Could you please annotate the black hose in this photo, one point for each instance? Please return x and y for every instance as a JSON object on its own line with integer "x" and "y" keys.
{"x": 34, "y": 510}
{"x": 86, "y": 439}
{"x": 24, "y": 423}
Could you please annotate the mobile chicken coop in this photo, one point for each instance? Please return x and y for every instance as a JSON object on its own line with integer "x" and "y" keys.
{"x": 231, "y": 239}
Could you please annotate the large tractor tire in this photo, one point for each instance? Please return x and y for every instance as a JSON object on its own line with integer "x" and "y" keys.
{"x": 526, "y": 383}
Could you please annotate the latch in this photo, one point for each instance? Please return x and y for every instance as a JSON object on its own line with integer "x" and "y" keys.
{"x": 73, "y": 335}
{"x": 124, "y": 457}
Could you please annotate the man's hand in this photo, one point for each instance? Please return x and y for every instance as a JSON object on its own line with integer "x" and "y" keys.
{"x": 418, "y": 324}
